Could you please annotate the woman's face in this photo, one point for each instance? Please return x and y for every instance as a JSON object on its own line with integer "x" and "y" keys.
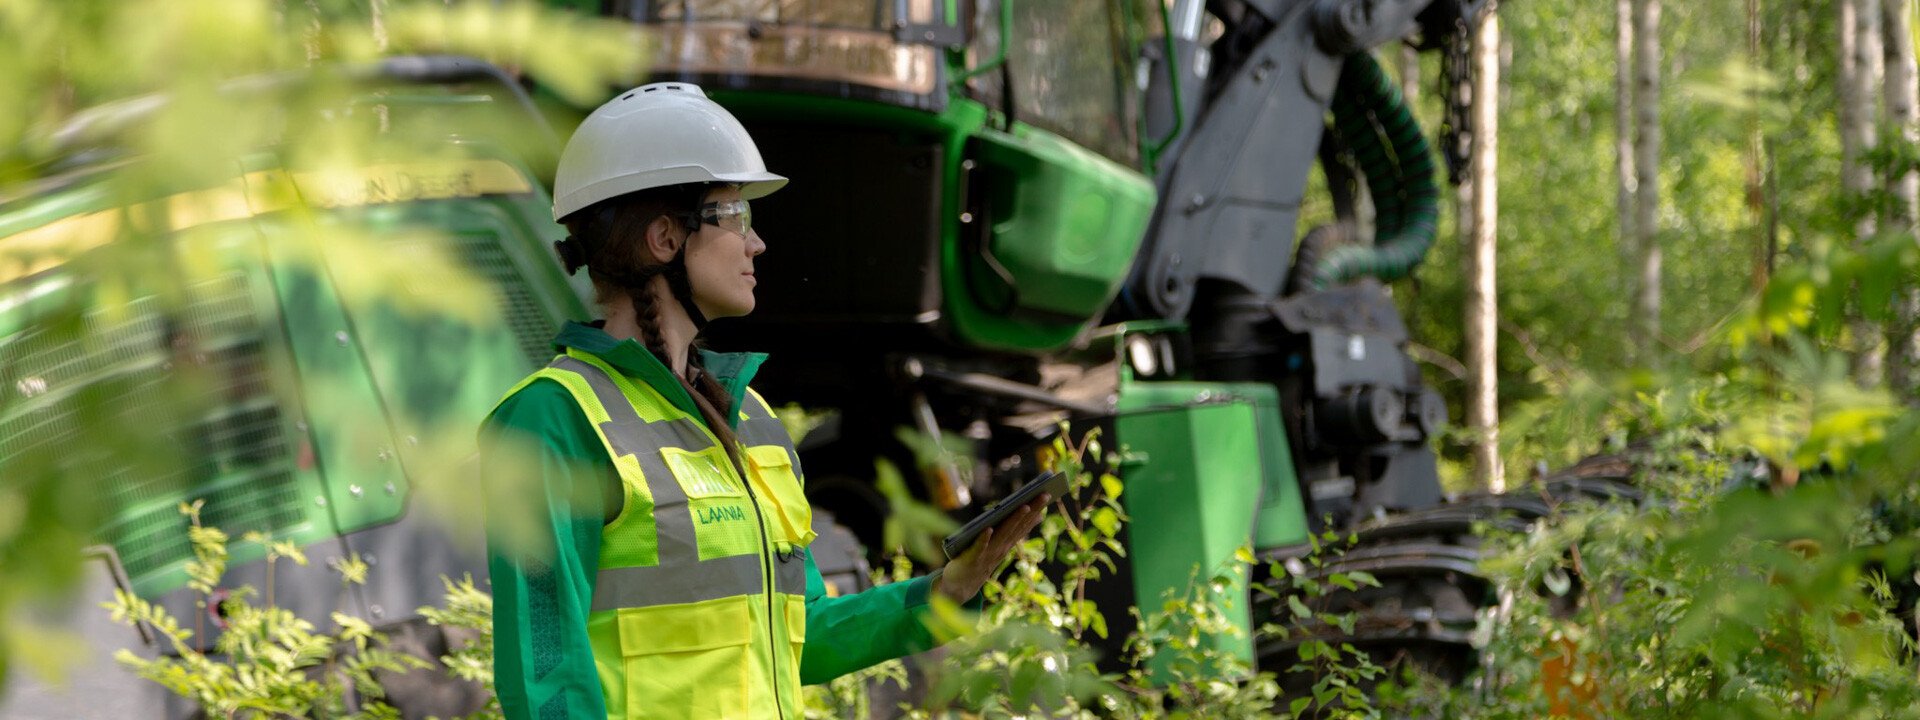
{"x": 720, "y": 256}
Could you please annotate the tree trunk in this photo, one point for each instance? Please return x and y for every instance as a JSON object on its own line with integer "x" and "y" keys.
{"x": 1483, "y": 408}
{"x": 1761, "y": 267}
{"x": 377, "y": 13}
{"x": 1646, "y": 221}
{"x": 1861, "y": 133}
{"x": 1623, "y": 139}
{"x": 1903, "y": 122}
{"x": 1407, "y": 62}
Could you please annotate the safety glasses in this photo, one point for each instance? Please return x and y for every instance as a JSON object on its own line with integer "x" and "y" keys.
{"x": 734, "y": 216}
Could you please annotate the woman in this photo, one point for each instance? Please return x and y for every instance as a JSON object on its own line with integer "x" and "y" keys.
{"x": 679, "y": 584}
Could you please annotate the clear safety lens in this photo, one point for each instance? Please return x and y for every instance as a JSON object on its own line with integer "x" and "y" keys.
{"x": 734, "y": 215}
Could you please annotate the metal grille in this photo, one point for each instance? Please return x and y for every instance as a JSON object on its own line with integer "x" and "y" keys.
{"x": 237, "y": 456}
{"x": 487, "y": 259}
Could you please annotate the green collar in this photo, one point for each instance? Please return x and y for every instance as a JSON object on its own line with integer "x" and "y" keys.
{"x": 733, "y": 370}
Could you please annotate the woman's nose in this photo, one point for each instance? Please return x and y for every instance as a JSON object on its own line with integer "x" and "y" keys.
{"x": 755, "y": 245}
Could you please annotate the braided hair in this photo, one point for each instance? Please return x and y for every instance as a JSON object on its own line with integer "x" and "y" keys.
{"x": 609, "y": 239}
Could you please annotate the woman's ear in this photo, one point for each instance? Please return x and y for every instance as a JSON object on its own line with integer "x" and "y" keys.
{"x": 663, "y": 242}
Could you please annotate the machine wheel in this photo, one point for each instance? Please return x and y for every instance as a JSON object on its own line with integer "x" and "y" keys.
{"x": 1432, "y": 594}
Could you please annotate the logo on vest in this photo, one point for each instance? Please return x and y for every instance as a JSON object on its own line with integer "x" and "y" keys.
{"x": 711, "y": 515}
{"x": 700, "y": 476}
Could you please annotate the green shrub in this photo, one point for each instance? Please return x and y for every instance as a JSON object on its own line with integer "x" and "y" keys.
{"x": 269, "y": 662}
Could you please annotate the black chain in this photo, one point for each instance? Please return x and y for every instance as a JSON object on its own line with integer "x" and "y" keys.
{"x": 1456, "y": 94}
{"x": 1456, "y": 86}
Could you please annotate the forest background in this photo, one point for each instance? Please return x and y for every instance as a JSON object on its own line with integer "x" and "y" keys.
{"x": 1770, "y": 395}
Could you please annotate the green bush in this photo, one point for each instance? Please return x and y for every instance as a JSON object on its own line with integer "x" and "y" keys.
{"x": 1769, "y": 572}
{"x": 269, "y": 662}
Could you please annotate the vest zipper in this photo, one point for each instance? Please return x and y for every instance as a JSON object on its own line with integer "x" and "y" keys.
{"x": 766, "y": 577}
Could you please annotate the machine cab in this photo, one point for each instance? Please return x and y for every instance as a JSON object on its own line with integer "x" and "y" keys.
{"x": 965, "y": 173}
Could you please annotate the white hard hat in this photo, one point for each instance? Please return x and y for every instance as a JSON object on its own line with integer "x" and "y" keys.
{"x": 653, "y": 136}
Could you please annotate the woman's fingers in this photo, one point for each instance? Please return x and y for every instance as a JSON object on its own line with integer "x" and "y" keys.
{"x": 1019, "y": 525}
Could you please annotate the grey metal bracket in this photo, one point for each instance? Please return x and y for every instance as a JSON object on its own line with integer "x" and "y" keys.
{"x": 934, "y": 33}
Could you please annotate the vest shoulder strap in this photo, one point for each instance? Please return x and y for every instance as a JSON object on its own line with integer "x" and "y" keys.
{"x": 583, "y": 397}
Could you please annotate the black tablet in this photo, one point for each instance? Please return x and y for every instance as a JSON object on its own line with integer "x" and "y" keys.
{"x": 1049, "y": 482}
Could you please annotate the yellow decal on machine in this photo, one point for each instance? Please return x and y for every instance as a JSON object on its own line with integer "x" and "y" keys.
{"x": 408, "y": 182}
{"x": 258, "y": 193}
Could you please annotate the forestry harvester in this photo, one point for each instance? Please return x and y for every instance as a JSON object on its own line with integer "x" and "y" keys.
{"x": 1007, "y": 219}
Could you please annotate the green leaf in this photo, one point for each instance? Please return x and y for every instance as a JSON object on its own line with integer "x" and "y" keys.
{"x": 1298, "y": 608}
{"x": 1299, "y": 706}
{"x": 1106, "y": 521}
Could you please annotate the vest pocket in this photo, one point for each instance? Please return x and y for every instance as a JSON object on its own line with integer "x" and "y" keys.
{"x": 688, "y": 661}
{"x": 774, "y": 478}
{"x": 796, "y": 622}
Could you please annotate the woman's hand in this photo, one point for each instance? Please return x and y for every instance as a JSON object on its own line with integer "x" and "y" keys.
{"x": 963, "y": 575}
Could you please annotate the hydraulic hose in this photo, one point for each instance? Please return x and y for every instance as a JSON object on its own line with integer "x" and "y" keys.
{"x": 1371, "y": 118}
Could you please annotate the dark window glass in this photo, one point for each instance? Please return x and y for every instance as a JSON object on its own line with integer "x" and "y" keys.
{"x": 1073, "y": 67}
{"x": 853, "y": 14}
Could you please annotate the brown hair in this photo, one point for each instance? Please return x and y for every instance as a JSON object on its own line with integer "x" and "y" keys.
{"x": 611, "y": 238}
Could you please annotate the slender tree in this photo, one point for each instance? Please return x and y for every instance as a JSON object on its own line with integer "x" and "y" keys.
{"x": 1646, "y": 223}
{"x": 1406, "y": 61}
{"x": 1903, "y": 186}
{"x": 1623, "y": 138}
{"x": 1757, "y": 161}
{"x": 1483, "y": 408}
{"x": 1861, "y": 78}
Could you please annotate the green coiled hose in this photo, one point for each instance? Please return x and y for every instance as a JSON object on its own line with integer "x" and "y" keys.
{"x": 1371, "y": 118}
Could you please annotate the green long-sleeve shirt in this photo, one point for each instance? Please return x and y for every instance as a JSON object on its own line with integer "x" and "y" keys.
{"x": 543, "y": 664}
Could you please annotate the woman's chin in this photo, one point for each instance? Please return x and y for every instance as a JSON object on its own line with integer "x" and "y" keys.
{"x": 731, "y": 310}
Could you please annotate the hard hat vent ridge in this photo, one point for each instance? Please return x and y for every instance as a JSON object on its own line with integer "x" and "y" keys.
{"x": 647, "y": 138}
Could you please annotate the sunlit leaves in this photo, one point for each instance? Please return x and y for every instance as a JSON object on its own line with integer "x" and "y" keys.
{"x": 911, "y": 525}
{"x": 576, "y": 56}
{"x": 151, "y": 148}
{"x": 269, "y": 662}
{"x": 1716, "y": 596}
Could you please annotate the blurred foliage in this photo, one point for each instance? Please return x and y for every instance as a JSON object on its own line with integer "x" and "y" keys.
{"x": 1562, "y": 311}
{"x": 1030, "y": 651}
{"x": 1770, "y": 570}
{"x": 1722, "y": 595}
{"x": 155, "y": 118}
{"x": 266, "y": 662}
{"x": 469, "y": 610}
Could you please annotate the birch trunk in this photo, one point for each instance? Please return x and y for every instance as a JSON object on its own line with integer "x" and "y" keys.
{"x": 1903, "y": 122}
{"x": 1407, "y": 61}
{"x": 1646, "y": 221}
{"x": 1861, "y": 132}
{"x": 1760, "y": 271}
{"x": 1623, "y": 138}
{"x": 1483, "y": 409}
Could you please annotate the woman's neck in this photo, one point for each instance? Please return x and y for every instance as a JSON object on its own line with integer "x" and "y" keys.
{"x": 676, "y": 329}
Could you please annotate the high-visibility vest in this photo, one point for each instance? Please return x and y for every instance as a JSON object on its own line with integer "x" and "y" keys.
{"x": 699, "y": 606}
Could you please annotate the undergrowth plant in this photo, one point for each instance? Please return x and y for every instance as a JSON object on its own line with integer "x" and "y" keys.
{"x": 1769, "y": 571}
{"x": 1028, "y": 652}
{"x": 270, "y": 663}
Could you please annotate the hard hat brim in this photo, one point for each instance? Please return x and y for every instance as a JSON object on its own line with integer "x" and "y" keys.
{"x": 754, "y": 186}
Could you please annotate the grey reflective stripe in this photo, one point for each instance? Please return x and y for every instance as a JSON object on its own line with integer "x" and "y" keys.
{"x": 681, "y": 575}
{"x": 629, "y": 435}
{"x": 630, "y": 587}
{"x": 761, "y": 428}
{"x": 790, "y": 574}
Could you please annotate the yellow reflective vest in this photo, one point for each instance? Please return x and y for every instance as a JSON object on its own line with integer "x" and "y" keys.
{"x": 699, "y": 607}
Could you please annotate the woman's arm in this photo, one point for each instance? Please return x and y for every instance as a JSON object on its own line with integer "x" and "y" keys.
{"x": 852, "y": 632}
{"x": 545, "y": 508}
